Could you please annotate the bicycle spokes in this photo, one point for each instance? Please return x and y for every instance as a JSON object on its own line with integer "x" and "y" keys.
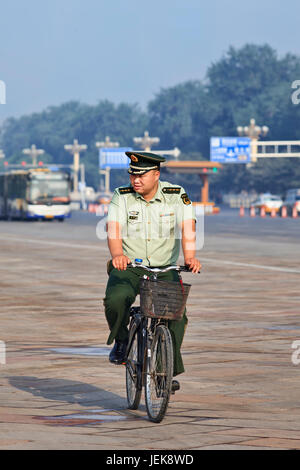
{"x": 159, "y": 374}
{"x": 133, "y": 375}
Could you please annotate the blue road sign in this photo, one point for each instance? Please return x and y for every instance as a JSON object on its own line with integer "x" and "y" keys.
{"x": 230, "y": 149}
{"x": 114, "y": 158}
{"x": 53, "y": 168}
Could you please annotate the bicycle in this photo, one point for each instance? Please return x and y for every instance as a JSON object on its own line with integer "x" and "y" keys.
{"x": 149, "y": 355}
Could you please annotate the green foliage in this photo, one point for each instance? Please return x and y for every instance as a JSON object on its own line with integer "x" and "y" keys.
{"x": 249, "y": 82}
{"x": 60, "y": 125}
{"x": 178, "y": 116}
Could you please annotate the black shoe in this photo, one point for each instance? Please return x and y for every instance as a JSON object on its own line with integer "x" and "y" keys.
{"x": 175, "y": 386}
{"x": 118, "y": 353}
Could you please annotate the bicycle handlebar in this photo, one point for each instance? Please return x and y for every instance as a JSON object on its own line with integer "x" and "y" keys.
{"x": 160, "y": 270}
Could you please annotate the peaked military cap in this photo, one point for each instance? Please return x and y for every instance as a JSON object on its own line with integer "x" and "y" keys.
{"x": 141, "y": 162}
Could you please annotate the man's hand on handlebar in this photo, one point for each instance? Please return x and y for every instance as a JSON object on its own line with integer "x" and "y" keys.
{"x": 193, "y": 264}
{"x": 120, "y": 262}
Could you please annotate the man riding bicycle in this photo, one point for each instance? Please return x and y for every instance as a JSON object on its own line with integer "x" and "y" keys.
{"x": 146, "y": 220}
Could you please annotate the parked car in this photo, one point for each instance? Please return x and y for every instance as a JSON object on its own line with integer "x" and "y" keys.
{"x": 268, "y": 202}
{"x": 292, "y": 199}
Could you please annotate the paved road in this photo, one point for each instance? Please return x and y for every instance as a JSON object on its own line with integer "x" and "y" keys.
{"x": 241, "y": 387}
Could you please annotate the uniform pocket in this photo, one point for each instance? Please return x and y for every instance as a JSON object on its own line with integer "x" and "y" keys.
{"x": 134, "y": 226}
{"x": 166, "y": 224}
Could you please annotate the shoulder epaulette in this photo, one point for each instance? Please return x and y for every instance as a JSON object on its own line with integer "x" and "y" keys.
{"x": 185, "y": 199}
{"x": 171, "y": 190}
{"x": 126, "y": 190}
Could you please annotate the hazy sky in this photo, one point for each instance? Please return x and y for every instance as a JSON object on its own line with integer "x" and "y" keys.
{"x": 53, "y": 51}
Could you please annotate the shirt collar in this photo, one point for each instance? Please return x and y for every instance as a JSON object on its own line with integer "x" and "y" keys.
{"x": 159, "y": 196}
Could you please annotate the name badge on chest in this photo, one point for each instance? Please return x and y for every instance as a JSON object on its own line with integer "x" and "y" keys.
{"x": 133, "y": 215}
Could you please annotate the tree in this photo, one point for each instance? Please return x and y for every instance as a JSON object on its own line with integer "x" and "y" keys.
{"x": 59, "y": 125}
{"x": 178, "y": 116}
{"x": 253, "y": 82}
{"x": 247, "y": 82}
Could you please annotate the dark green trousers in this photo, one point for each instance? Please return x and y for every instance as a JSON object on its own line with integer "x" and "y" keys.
{"x": 121, "y": 291}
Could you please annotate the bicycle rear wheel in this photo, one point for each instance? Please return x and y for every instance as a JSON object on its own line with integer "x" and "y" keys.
{"x": 133, "y": 373}
{"x": 159, "y": 374}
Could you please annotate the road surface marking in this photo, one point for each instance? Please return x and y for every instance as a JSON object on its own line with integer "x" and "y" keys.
{"x": 7, "y": 237}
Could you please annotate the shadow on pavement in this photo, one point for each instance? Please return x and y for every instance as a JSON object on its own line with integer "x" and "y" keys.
{"x": 69, "y": 391}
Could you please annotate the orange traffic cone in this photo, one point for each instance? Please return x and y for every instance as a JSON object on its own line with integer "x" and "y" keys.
{"x": 295, "y": 212}
{"x": 252, "y": 211}
{"x": 273, "y": 212}
{"x": 92, "y": 208}
{"x": 283, "y": 212}
{"x": 242, "y": 211}
{"x": 262, "y": 212}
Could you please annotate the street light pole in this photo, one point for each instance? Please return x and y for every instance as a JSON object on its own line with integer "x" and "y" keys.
{"x": 254, "y": 132}
{"x": 75, "y": 150}
{"x": 34, "y": 153}
{"x": 146, "y": 141}
{"x": 106, "y": 144}
{"x": 2, "y": 155}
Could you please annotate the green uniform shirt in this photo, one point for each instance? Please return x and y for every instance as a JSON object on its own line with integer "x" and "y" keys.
{"x": 151, "y": 230}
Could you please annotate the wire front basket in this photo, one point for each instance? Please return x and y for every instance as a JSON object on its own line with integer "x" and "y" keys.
{"x": 163, "y": 299}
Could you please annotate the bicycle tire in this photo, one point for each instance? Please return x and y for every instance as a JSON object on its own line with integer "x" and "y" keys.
{"x": 159, "y": 374}
{"x": 133, "y": 371}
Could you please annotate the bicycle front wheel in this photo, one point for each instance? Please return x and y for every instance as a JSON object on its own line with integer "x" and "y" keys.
{"x": 133, "y": 374}
{"x": 159, "y": 374}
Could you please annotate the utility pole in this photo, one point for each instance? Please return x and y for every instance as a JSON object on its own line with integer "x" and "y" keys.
{"x": 106, "y": 144}
{"x": 75, "y": 150}
{"x": 254, "y": 132}
{"x": 34, "y": 153}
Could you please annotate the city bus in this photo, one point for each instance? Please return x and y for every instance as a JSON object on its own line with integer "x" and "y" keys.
{"x": 35, "y": 194}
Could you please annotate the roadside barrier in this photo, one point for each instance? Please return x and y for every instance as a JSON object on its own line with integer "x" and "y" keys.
{"x": 283, "y": 212}
{"x": 98, "y": 209}
{"x": 101, "y": 210}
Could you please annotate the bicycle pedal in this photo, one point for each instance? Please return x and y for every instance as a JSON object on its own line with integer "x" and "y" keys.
{"x": 175, "y": 387}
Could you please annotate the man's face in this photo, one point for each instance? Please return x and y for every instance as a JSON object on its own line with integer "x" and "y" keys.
{"x": 144, "y": 184}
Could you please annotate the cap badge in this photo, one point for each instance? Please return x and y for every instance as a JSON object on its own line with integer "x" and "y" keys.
{"x": 134, "y": 158}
